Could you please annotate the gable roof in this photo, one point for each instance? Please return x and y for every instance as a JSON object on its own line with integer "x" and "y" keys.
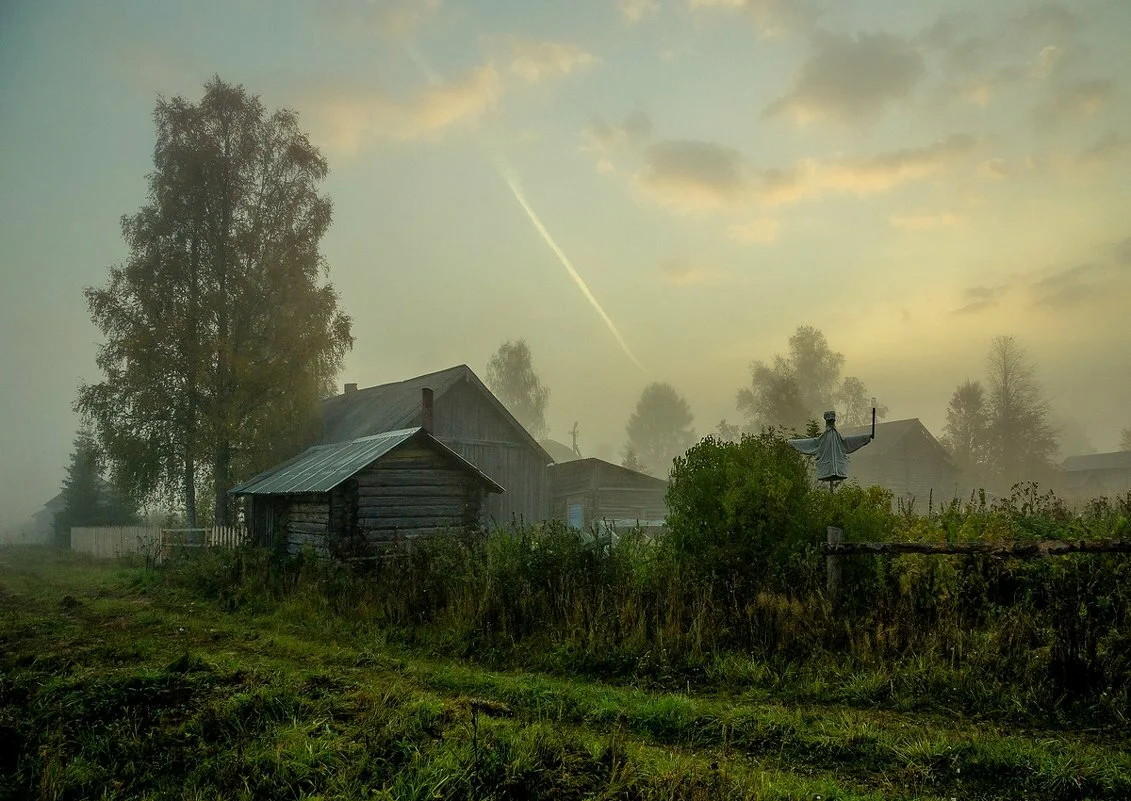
{"x": 389, "y": 407}
{"x": 889, "y": 433}
{"x": 560, "y": 452}
{"x": 1115, "y": 460}
{"x": 590, "y": 463}
{"x": 323, "y": 467}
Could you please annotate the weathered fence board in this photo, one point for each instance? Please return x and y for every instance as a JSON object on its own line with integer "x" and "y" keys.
{"x": 1018, "y": 549}
{"x": 110, "y": 542}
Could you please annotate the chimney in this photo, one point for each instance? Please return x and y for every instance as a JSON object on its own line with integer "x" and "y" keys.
{"x": 351, "y": 388}
{"x": 426, "y": 409}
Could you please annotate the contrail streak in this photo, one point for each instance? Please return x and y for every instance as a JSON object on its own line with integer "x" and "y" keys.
{"x": 512, "y": 181}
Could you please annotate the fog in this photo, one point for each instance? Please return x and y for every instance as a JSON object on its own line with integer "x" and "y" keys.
{"x": 651, "y": 190}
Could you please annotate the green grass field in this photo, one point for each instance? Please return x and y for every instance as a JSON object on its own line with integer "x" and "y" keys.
{"x": 117, "y": 683}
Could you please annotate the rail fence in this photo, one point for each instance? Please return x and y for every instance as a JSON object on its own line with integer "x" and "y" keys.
{"x": 835, "y": 549}
{"x": 156, "y": 544}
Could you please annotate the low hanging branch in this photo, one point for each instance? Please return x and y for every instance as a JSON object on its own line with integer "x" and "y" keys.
{"x": 1018, "y": 549}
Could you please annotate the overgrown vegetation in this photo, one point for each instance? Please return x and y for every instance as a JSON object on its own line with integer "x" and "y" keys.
{"x": 703, "y": 663}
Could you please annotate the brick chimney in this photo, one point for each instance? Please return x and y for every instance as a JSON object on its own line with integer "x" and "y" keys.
{"x": 426, "y": 415}
{"x": 351, "y": 388}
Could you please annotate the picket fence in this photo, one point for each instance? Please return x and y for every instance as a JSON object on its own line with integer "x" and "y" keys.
{"x": 110, "y": 542}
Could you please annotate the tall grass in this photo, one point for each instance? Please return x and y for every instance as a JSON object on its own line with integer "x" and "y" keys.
{"x": 1037, "y": 640}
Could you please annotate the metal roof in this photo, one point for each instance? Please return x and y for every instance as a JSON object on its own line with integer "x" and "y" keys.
{"x": 323, "y": 467}
{"x": 1098, "y": 461}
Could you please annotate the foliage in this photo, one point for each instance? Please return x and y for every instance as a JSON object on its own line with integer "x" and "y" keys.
{"x": 88, "y": 500}
{"x": 1125, "y": 439}
{"x": 800, "y": 387}
{"x": 967, "y": 430}
{"x": 220, "y": 336}
{"x": 136, "y": 687}
{"x": 659, "y": 429}
{"x": 737, "y": 509}
{"x": 631, "y": 460}
{"x": 511, "y": 376}
{"x": 1021, "y": 442}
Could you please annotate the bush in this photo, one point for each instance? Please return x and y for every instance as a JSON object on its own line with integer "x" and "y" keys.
{"x": 740, "y": 512}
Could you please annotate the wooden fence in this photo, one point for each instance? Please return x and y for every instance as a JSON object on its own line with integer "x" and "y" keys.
{"x": 109, "y": 542}
{"x": 835, "y": 547}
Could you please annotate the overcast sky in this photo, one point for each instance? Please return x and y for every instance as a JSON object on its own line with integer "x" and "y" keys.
{"x": 912, "y": 178}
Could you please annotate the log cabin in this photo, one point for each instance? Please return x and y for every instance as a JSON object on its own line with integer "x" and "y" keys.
{"x": 352, "y": 498}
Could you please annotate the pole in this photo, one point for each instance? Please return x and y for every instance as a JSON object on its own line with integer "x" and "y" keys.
{"x": 834, "y": 536}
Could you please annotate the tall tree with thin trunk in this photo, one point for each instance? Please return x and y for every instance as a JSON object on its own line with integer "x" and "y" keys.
{"x": 660, "y": 429}
{"x": 511, "y": 376}
{"x": 1022, "y": 442}
{"x": 967, "y": 430}
{"x": 221, "y": 333}
{"x": 1125, "y": 439}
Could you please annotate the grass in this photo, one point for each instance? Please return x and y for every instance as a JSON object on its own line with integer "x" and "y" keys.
{"x": 115, "y": 683}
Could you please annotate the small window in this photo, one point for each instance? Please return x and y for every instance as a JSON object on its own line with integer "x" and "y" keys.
{"x": 575, "y": 517}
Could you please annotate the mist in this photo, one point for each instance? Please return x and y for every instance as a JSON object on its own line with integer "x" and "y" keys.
{"x": 717, "y": 177}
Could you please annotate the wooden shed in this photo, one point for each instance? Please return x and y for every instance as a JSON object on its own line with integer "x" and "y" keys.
{"x": 1097, "y": 474}
{"x": 587, "y": 491}
{"x": 907, "y": 460}
{"x": 350, "y": 497}
{"x": 468, "y": 419}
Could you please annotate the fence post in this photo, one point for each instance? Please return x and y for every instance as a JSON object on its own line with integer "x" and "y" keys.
{"x": 834, "y": 536}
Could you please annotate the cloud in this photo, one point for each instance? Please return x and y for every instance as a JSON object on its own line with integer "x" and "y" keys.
{"x": 704, "y": 176}
{"x": 1062, "y": 289}
{"x": 926, "y": 222}
{"x": 601, "y": 137}
{"x": 761, "y": 231}
{"x": 683, "y": 272}
{"x": 773, "y": 19}
{"x": 812, "y": 178}
{"x": 1000, "y": 169}
{"x": 980, "y": 298}
{"x": 345, "y": 116}
{"x": 694, "y": 176}
{"x": 1074, "y": 100}
{"x": 632, "y": 11}
{"x": 604, "y": 140}
{"x": 1108, "y": 148}
{"x": 1122, "y": 253}
{"x": 393, "y": 18}
{"x": 850, "y": 79}
{"x": 1066, "y": 288}
{"x": 1048, "y": 20}
{"x": 534, "y": 61}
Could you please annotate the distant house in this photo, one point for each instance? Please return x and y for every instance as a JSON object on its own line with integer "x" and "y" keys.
{"x": 40, "y": 529}
{"x": 348, "y": 497}
{"x": 587, "y": 491}
{"x": 559, "y": 451}
{"x": 468, "y": 419}
{"x": 907, "y": 460}
{"x": 1097, "y": 474}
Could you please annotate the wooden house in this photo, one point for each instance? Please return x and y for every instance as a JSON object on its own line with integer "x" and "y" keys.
{"x": 468, "y": 419}
{"x": 907, "y": 460}
{"x": 1097, "y": 474}
{"x": 587, "y": 491}
{"x": 347, "y": 498}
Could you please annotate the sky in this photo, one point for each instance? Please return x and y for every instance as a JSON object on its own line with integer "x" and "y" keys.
{"x": 913, "y": 179}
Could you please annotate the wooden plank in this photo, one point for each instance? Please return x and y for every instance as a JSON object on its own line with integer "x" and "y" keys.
{"x": 1018, "y": 549}
{"x": 447, "y": 491}
{"x": 307, "y": 528}
{"x": 414, "y": 478}
{"x": 384, "y": 502}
